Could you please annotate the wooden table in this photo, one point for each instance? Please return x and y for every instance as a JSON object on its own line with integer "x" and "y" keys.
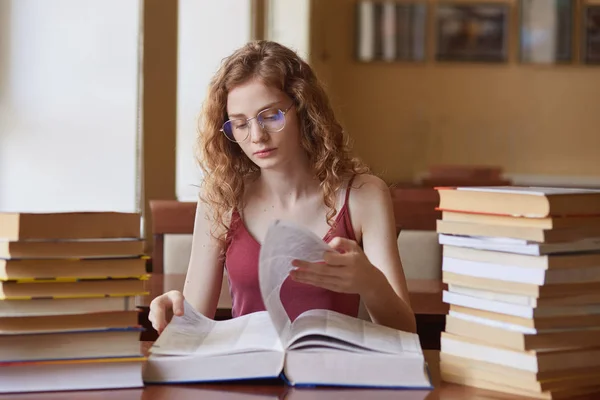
{"x": 425, "y": 298}
{"x": 266, "y": 392}
{"x": 275, "y": 390}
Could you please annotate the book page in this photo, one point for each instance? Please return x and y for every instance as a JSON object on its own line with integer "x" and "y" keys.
{"x": 193, "y": 333}
{"x": 284, "y": 243}
{"x": 354, "y": 331}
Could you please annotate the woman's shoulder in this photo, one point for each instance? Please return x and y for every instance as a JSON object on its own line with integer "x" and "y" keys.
{"x": 369, "y": 199}
{"x": 368, "y": 187}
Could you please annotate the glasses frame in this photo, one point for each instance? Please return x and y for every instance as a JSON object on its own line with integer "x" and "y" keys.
{"x": 284, "y": 112}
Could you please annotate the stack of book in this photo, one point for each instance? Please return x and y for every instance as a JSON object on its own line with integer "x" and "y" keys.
{"x": 522, "y": 267}
{"x": 68, "y": 318}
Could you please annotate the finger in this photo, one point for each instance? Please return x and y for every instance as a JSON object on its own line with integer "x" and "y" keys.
{"x": 159, "y": 327}
{"x": 325, "y": 282}
{"x": 157, "y": 314}
{"x": 301, "y": 264}
{"x": 176, "y": 302}
{"x": 319, "y": 268}
{"x": 313, "y": 277}
{"x": 342, "y": 245}
{"x": 335, "y": 258}
{"x": 157, "y": 324}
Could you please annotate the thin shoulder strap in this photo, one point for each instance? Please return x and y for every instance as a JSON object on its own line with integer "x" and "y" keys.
{"x": 348, "y": 189}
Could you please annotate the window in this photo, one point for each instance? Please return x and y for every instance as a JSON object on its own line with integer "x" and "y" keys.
{"x": 208, "y": 32}
{"x": 68, "y": 105}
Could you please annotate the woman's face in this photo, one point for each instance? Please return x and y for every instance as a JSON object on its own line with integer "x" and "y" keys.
{"x": 267, "y": 147}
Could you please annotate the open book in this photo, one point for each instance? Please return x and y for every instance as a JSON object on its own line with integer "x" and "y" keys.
{"x": 320, "y": 347}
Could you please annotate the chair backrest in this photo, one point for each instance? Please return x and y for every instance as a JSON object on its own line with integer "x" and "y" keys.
{"x": 416, "y": 215}
{"x": 169, "y": 217}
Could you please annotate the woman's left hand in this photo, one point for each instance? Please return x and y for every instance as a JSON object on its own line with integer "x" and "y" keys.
{"x": 345, "y": 270}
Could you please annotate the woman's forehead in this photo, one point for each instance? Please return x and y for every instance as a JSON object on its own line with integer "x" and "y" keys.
{"x": 251, "y": 97}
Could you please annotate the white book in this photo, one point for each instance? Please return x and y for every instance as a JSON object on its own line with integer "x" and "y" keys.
{"x": 366, "y": 34}
{"x": 523, "y": 300}
{"x": 518, "y": 310}
{"x": 512, "y": 273}
{"x": 519, "y": 246}
{"x": 320, "y": 347}
{"x": 389, "y": 30}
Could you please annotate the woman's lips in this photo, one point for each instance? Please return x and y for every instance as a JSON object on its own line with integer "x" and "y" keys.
{"x": 264, "y": 153}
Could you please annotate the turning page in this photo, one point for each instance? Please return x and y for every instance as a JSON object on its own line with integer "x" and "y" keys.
{"x": 193, "y": 333}
{"x": 284, "y": 243}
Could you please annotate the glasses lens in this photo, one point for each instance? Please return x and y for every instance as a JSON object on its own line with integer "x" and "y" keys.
{"x": 235, "y": 129}
{"x": 272, "y": 119}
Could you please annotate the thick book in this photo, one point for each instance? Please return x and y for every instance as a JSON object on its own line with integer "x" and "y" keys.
{"x": 69, "y": 225}
{"x": 519, "y": 274}
{"x": 526, "y": 289}
{"x": 89, "y": 248}
{"x": 546, "y": 261}
{"x": 519, "y": 246}
{"x": 81, "y": 289}
{"x": 64, "y": 269}
{"x": 532, "y": 202}
{"x": 73, "y": 322}
{"x": 531, "y": 361}
{"x": 63, "y": 375}
{"x": 539, "y": 235}
{"x": 510, "y": 336}
{"x": 462, "y": 300}
{"x": 533, "y": 325}
{"x": 528, "y": 301}
{"x": 508, "y": 220}
{"x": 49, "y": 306}
{"x": 506, "y": 387}
{"x": 63, "y": 345}
{"x": 529, "y": 381}
{"x": 320, "y": 347}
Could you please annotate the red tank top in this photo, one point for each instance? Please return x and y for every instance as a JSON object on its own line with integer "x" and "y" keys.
{"x": 241, "y": 262}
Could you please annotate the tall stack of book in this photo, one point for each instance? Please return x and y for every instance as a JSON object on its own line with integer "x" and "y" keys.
{"x": 522, "y": 267}
{"x": 68, "y": 318}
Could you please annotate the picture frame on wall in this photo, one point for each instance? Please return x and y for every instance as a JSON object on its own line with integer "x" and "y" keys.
{"x": 591, "y": 34}
{"x": 391, "y": 31}
{"x": 546, "y": 31}
{"x": 472, "y": 32}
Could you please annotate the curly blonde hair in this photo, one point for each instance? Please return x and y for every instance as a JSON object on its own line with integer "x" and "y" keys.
{"x": 226, "y": 168}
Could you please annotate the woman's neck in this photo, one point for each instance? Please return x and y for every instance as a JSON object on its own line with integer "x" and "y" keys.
{"x": 285, "y": 186}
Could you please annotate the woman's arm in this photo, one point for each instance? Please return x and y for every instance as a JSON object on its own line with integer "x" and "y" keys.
{"x": 386, "y": 296}
{"x": 205, "y": 270}
{"x": 203, "y": 281}
{"x": 375, "y": 271}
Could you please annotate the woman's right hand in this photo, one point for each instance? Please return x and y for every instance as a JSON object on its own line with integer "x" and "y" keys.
{"x": 163, "y": 307}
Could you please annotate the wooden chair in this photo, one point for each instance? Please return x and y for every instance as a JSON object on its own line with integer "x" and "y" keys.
{"x": 169, "y": 217}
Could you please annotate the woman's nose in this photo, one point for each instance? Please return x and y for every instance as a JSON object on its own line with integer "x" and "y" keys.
{"x": 257, "y": 132}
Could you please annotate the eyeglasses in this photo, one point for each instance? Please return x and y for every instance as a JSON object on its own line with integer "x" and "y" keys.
{"x": 270, "y": 120}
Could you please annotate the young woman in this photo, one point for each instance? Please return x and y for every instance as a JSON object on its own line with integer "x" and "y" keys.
{"x": 271, "y": 148}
